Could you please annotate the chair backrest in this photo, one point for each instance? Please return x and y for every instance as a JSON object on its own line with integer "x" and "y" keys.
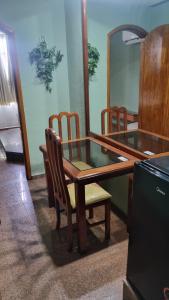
{"x": 54, "y": 151}
{"x": 116, "y": 119}
{"x": 69, "y": 116}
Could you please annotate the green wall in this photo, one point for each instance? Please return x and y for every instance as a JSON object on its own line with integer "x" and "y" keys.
{"x": 125, "y": 69}
{"x": 158, "y": 15}
{"x": 75, "y": 58}
{"x": 38, "y": 103}
{"x": 31, "y": 20}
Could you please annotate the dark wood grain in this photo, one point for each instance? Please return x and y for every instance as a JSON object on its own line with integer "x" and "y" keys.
{"x": 154, "y": 82}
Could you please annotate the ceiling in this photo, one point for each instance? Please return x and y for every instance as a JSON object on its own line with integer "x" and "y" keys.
{"x": 23, "y": 8}
{"x": 133, "y": 2}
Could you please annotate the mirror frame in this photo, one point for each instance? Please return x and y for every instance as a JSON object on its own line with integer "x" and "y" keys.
{"x": 85, "y": 66}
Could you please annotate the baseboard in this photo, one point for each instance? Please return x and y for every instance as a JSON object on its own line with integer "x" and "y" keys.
{"x": 38, "y": 176}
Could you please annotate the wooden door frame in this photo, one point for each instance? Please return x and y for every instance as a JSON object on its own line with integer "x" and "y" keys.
{"x": 11, "y": 34}
{"x": 127, "y": 27}
{"x": 85, "y": 65}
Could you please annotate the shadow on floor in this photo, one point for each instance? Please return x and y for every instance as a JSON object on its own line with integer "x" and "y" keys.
{"x": 34, "y": 261}
{"x": 56, "y": 242}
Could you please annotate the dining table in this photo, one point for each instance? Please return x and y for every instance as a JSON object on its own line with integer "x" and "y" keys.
{"x": 99, "y": 161}
{"x": 103, "y": 156}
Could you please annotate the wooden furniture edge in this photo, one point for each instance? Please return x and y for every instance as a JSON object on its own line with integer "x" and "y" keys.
{"x": 85, "y": 64}
{"x": 138, "y": 154}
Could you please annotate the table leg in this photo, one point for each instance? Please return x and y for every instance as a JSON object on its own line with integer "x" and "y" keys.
{"x": 81, "y": 217}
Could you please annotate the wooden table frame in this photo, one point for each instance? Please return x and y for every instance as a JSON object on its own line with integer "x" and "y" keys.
{"x": 140, "y": 155}
{"x": 81, "y": 178}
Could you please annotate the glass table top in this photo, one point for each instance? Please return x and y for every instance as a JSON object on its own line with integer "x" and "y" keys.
{"x": 143, "y": 142}
{"x": 87, "y": 154}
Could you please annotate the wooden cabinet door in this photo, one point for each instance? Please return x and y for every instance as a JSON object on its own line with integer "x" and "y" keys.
{"x": 154, "y": 82}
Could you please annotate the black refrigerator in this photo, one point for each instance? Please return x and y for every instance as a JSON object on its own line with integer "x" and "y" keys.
{"x": 148, "y": 250}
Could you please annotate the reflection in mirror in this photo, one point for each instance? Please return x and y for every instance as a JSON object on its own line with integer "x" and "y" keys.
{"x": 124, "y": 72}
{"x": 102, "y": 18}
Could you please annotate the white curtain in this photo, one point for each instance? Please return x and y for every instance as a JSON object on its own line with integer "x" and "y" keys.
{"x": 7, "y": 87}
{"x": 8, "y": 105}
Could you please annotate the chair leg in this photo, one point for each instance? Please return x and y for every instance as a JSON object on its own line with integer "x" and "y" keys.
{"x": 107, "y": 220}
{"x": 69, "y": 230}
{"x": 57, "y": 207}
{"x": 91, "y": 213}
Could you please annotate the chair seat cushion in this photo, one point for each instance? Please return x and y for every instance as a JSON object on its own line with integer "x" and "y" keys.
{"x": 81, "y": 165}
{"x": 93, "y": 193}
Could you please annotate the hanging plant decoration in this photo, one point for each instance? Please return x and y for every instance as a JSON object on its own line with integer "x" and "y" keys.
{"x": 45, "y": 61}
{"x": 93, "y": 59}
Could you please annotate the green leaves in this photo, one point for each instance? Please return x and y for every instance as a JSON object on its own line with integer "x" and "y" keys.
{"x": 45, "y": 61}
{"x": 93, "y": 59}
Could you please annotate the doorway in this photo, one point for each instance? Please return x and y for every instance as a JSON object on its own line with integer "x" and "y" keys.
{"x": 13, "y": 134}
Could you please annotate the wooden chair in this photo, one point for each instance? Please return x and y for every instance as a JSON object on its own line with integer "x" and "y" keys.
{"x": 116, "y": 119}
{"x": 65, "y": 194}
{"x": 70, "y": 116}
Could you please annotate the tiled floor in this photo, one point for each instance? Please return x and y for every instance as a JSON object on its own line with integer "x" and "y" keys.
{"x": 34, "y": 262}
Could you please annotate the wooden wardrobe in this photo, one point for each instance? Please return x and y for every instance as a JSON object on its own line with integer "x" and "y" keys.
{"x": 154, "y": 82}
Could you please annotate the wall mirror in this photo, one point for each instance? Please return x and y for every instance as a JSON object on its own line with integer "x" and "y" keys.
{"x": 102, "y": 18}
{"x": 116, "y": 81}
{"x": 112, "y": 85}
